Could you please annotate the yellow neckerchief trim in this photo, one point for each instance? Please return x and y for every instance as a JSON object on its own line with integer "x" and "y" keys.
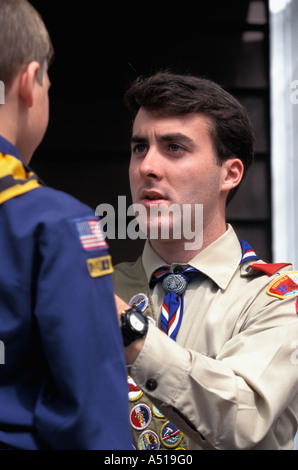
{"x": 22, "y": 180}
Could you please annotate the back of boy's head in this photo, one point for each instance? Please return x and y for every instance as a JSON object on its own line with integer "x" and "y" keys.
{"x": 23, "y": 38}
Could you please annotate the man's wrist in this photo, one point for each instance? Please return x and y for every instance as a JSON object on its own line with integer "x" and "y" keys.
{"x": 134, "y": 325}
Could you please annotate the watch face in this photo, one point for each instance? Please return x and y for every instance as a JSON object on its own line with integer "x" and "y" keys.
{"x": 136, "y": 322}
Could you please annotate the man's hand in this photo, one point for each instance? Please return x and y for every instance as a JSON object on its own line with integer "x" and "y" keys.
{"x": 120, "y": 305}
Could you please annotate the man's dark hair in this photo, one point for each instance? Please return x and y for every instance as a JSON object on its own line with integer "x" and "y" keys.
{"x": 169, "y": 94}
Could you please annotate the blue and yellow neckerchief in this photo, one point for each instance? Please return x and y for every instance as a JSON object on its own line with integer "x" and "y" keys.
{"x": 15, "y": 178}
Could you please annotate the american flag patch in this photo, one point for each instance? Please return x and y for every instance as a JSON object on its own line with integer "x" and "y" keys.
{"x": 90, "y": 233}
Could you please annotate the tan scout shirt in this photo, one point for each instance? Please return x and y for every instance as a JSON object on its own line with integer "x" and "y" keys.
{"x": 231, "y": 379}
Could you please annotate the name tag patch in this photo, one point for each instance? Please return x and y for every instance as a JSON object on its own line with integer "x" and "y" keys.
{"x": 100, "y": 266}
{"x": 284, "y": 286}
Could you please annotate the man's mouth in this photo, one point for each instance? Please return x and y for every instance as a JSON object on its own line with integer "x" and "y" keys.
{"x": 149, "y": 196}
{"x": 152, "y": 195}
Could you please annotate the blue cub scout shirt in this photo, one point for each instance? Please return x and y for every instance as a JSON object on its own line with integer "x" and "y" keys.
{"x": 63, "y": 377}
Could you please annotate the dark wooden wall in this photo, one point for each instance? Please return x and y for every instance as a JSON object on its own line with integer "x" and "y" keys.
{"x": 99, "y": 51}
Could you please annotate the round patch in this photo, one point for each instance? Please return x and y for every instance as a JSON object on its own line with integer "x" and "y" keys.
{"x": 151, "y": 320}
{"x": 134, "y": 392}
{"x": 156, "y": 412}
{"x": 140, "y": 301}
{"x": 140, "y": 416}
{"x": 148, "y": 440}
{"x": 170, "y": 435}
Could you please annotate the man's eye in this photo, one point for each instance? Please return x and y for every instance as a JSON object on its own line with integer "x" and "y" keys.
{"x": 140, "y": 148}
{"x": 175, "y": 148}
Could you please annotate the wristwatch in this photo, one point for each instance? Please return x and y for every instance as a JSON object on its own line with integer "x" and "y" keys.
{"x": 134, "y": 325}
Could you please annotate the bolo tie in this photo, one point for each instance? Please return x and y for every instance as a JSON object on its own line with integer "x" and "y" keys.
{"x": 174, "y": 286}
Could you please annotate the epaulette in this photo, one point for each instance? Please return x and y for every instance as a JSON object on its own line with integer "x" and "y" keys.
{"x": 269, "y": 268}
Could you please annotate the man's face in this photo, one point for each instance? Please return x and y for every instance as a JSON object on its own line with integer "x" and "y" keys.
{"x": 173, "y": 162}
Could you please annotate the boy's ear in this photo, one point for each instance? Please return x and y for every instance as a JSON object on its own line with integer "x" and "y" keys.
{"x": 27, "y": 82}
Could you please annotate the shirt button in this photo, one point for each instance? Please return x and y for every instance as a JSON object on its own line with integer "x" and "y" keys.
{"x": 151, "y": 384}
{"x": 178, "y": 269}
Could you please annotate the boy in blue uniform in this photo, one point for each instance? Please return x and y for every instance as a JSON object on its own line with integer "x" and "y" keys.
{"x": 62, "y": 372}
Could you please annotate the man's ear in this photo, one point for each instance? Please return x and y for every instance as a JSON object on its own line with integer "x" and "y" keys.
{"x": 233, "y": 173}
{"x": 27, "y": 82}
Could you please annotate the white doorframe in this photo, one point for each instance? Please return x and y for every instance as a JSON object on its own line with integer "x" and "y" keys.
{"x": 284, "y": 130}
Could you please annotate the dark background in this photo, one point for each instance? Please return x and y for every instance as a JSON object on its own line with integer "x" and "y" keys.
{"x": 100, "y": 49}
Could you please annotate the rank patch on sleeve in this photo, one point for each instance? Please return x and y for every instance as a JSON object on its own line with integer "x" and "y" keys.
{"x": 90, "y": 233}
{"x": 99, "y": 266}
{"x": 284, "y": 286}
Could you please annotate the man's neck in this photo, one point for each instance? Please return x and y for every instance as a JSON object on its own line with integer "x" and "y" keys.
{"x": 175, "y": 251}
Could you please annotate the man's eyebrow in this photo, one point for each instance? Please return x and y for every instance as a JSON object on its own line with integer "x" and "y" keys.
{"x": 137, "y": 139}
{"x": 177, "y": 136}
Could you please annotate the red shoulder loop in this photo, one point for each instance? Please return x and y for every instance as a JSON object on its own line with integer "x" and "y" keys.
{"x": 269, "y": 268}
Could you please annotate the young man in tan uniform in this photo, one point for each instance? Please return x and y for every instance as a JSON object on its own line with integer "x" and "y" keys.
{"x": 225, "y": 374}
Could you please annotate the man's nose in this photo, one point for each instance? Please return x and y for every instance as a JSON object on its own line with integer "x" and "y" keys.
{"x": 151, "y": 166}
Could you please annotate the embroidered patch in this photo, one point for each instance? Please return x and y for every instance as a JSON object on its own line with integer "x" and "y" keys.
{"x": 134, "y": 392}
{"x": 100, "y": 266}
{"x": 140, "y": 301}
{"x": 170, "y": 435}
{"x": 156, "y": 412}
{"x": 284, "y": 286}
{"x": 140, "y": 416}
{"x": 90, "y": 233}
{"x": 148, "y": 440}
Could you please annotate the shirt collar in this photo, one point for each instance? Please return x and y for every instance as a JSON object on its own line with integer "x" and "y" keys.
{"x": 8, "y": 148}
{"x": 218, "y": 261}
